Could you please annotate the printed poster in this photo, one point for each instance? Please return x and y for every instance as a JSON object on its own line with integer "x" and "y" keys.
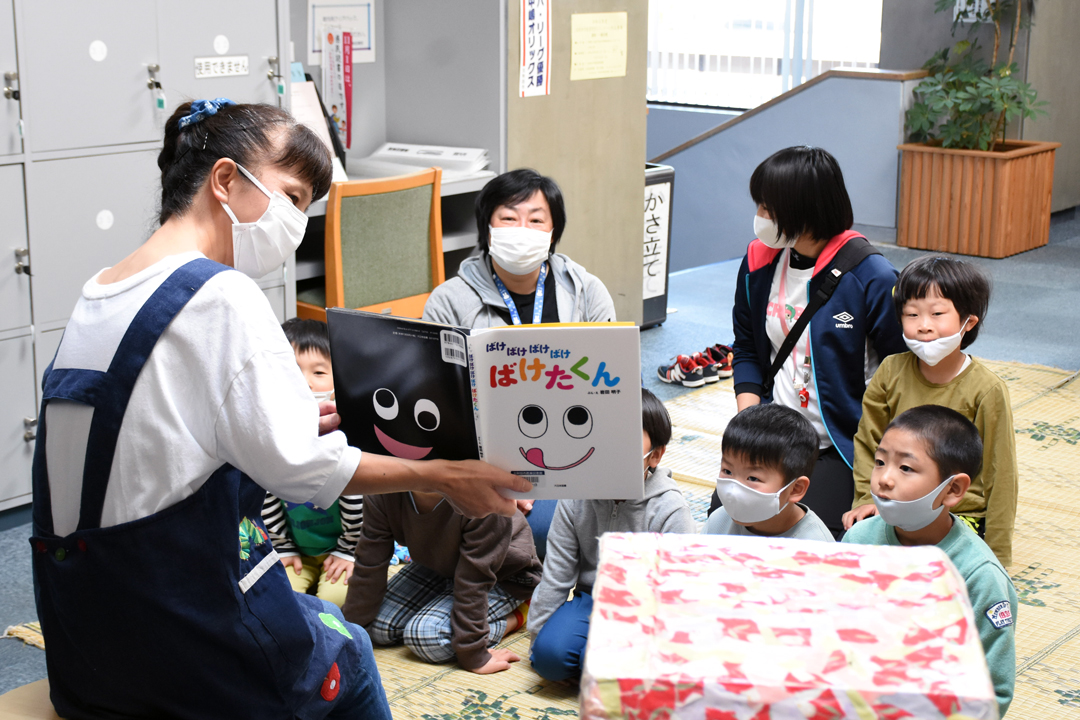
{"x": 535, "y": 77}
{"x": 356, "y": 17}
{"x": 657, "y": 217}
{"x": 337, "y": 81}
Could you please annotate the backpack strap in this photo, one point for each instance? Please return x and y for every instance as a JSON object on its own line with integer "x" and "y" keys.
{"x": 855, "y": 250}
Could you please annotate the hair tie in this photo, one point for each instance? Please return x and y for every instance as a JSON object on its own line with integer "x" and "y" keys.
{"x": 202, "y": 109}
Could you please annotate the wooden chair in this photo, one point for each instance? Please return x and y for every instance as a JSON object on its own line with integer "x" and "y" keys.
{"x": 383, "y": 247}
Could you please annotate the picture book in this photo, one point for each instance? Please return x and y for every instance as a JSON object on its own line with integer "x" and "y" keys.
{"x": 557, "y": 404}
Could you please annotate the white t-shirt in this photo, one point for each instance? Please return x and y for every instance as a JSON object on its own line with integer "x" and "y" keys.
{"x": 792, "y": 306}
{"x": 221, "y": 386}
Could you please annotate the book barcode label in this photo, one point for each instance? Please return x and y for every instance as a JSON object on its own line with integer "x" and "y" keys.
{"x": 453, "y": 348}
{"x": 533, "y": 476}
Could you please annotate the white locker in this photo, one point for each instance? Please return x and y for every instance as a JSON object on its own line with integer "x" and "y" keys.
{"x": 86, "y": 214}
{"x": 85, "y": 80}
{"x": 14, "y": 286}
{"x": 10, "y": 138}
{"x": 214, "y": 38}
{"x": 16, "y": 433}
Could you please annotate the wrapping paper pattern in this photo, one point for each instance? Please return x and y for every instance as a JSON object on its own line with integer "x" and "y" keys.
{"x": 717, "y": 627}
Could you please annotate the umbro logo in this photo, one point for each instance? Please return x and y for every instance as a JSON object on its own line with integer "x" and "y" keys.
{"x": 845, "y": 319}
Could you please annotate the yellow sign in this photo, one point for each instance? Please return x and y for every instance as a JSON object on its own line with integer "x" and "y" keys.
{"x": 598, "y": 45}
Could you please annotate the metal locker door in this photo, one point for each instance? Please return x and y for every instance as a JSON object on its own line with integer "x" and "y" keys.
{"x": 85, "y": 80}
{"x": 86, "y": 214}
{"x": 201, "y": 40}
{"x": 10, "y": 138}
{"x": 14, "y": 286}
{"x": 17, "y": 415}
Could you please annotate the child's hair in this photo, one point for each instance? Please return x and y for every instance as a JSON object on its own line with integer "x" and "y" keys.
{"x": 967, "y": 286}
{"x": 773, "y": 436}
{"x": 308, "y": 336}
{"x": 803, "y": 190}
{"x": 951, "y": 440}
{"x": 655, "y": 420}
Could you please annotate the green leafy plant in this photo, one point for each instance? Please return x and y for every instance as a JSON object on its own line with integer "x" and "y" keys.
{"x": 967, "y": 103}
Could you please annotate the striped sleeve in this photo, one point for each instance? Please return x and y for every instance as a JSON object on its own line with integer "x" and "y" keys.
{"x": 352, "y": 512}
{"x": 273, "y": 515}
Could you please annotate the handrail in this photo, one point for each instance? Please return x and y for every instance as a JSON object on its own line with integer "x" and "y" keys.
{"x": 867, "y": 74}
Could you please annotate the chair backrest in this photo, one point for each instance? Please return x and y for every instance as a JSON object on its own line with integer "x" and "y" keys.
{"x": 384, "y": 240}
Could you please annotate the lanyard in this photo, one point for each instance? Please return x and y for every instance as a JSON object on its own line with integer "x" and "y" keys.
{"x": 538, "y": 302}
{"x": 800, "y": 387}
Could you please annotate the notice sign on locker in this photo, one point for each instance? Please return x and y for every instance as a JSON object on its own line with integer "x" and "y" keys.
{"x": 223, "y": 66}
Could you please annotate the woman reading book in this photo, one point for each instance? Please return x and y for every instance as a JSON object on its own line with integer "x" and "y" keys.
{"x": 519, "y": 279}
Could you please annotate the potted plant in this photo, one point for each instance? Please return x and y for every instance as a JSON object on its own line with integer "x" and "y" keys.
{"x": 965, "y": 188}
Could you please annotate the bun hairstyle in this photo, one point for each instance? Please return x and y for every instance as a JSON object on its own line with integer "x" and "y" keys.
{"x": 247, "y": 134}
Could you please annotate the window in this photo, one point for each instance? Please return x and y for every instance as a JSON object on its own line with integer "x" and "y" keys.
{"x": 742, "y": 53}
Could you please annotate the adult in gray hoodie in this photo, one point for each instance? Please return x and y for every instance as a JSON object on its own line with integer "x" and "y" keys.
{"x": 518, "y": 278}
{"x": 560, "y": 627}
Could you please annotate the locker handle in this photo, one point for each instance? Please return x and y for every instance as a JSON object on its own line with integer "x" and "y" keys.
{"x": 30, "y": 424}
{"x": 21, "y": 267}
{"x": 11, "y": 93}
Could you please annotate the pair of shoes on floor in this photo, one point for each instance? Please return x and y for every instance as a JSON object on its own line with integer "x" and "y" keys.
{"x": 700, "y": 368}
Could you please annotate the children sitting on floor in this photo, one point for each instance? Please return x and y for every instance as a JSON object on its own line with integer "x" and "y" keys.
{"x": 923, "y": 467}
{"x": 560, "y": 627}
{"x": 461, "y": 593}
{"x": 768, "y": 455}
{"x": 315, "y": 544}
{"x": 941, "y": 303}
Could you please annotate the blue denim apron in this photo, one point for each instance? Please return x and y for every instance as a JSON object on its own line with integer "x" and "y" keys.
{"x": 186, "y": 613}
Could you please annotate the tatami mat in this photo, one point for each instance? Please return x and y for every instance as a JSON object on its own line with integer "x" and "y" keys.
{"x": 1046, "y": 569}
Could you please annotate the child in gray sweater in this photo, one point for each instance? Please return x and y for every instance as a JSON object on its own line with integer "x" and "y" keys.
{"x": 560, "y": 627}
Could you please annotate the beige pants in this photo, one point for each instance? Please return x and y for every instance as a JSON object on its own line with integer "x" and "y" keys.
{"x": 313, "y": 572}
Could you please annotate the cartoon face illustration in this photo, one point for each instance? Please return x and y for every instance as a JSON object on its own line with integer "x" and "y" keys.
{"x": 577, "y": 423}
{"x": 400, "y": 397}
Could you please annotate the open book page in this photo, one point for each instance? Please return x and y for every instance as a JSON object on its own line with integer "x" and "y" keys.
{"x": 561, "y": 406}
{"x": 402, "y": 386}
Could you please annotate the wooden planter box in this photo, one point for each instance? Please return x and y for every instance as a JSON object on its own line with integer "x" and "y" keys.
{"x": 974, "y": 202}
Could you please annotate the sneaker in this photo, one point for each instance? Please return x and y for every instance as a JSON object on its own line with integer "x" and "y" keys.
{"x": 723, "y": 356}
{"x": 684, "y": 370}
{"x": 709, "y": 368}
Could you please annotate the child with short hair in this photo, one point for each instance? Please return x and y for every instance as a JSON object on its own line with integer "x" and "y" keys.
{"x": 461, "y": 593}
{"x": 315, "y": 544}
{"x": 941, "y": 303}
{"x": 560, "y": 627}
{"x": 923, "y": 467}
{"x": 768, "y": 455}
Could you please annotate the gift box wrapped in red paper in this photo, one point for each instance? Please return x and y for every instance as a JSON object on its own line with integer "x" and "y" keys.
{"x": 716, "y": 627}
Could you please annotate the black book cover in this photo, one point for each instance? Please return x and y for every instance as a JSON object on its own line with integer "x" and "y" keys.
{"x": 402, "y": 386}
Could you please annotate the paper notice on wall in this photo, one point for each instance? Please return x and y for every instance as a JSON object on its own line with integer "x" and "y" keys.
{"x": 535, "y": 37}
{"x": 356, "y": 17}
{"x": 597, "y": 45}
{"x": 657, "y": 216}
{"x": 337, "y": 80}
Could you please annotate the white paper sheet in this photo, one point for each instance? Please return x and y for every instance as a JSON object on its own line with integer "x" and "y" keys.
{"x": 354, "y": 16}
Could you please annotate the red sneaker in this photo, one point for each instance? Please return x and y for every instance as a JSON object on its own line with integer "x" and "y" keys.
{"x": 723, "y": 356}
{"x": 683, "y": 370}
{"x": 710, "y": 369}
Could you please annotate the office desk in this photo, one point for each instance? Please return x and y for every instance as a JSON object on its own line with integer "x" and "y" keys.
{"x": 458, "y": 223}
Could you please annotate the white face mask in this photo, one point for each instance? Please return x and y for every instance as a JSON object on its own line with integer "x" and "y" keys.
{"x": 260, "y": 247}
{"x": 323, "y": 396}
{"x": 767, "y": 232}
{"x": 932, "y": 352}
{"x": 648, "y": 468}
{"x": 519, "y": 250}
{"x": 911, "y": 515}
{"x": 746, "y": 505}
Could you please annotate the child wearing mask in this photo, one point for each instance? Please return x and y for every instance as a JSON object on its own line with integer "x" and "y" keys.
{"x": 923, "y": 467}
{"x": 315, "y": 544}
{"x": 941, "y": 303}
{"x": 768, "y": 454}
{"x": 560, "y": 627}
